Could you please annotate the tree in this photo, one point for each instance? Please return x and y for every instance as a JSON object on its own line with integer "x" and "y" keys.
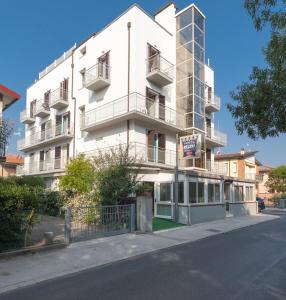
{"x": 116, "y": 175}
{"x": 79, "y": 177}
{"x": 277, "y": 179}
{"x": 5, "y": 132}
{"x": 260, "y": 104}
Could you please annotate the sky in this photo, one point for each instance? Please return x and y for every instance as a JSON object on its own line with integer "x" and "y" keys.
{"x": 33, "y": 33}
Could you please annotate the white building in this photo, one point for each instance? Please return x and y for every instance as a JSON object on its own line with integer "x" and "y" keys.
{"x": 139, "y": 81}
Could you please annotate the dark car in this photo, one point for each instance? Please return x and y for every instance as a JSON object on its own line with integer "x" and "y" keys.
{"x": 261, "y": 204}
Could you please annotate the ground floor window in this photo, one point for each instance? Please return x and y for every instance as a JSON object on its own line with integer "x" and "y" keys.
{"x": 165, "y": 192}
{"x": 238, "y": 193}
{"x": 213, "y": 192}
{"x": 181, "y": 192}
{"x": 249, "y": 193}
{"x": 196, "y": 192}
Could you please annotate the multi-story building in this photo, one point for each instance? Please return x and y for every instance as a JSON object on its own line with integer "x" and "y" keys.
{"x": 141, "y": 81}
{"x": 263, "y": 191}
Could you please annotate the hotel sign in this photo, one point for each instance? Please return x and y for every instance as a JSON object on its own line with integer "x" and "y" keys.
{"x": 191, "y": 146}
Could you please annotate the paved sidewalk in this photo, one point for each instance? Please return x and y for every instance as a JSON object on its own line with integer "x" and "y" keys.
{"x": 32, "y": 268}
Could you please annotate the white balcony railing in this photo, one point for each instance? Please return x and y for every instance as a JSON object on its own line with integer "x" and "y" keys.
{"x": 59, "y": 98}
{"x": 27, "y": 117}
{"x": 97, "y": 77}
{"x": 137, "y": 104}
{"x": 159, "y": 70}
{"x": 213, "y": 103}
{"x": 216, "y": 136}
{"x": 43, "y": 166}
{"x": 251, "y": 176}
{"x": 42, "y": 108}
{"x": 142, "y": 153}
{"x": 216, "y": 168}
{"x": 52, "y": 133}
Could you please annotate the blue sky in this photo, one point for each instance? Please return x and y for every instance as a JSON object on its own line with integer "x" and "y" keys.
{"x": 34, "y": 33}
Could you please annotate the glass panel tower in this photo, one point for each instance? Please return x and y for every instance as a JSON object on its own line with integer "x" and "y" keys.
{"x": 190, "y": 79}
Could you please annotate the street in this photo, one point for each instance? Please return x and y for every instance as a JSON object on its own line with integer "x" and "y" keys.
{"x": 248, "y": 263}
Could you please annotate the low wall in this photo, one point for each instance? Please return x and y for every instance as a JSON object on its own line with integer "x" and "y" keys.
{"x": 199, "y": 213}
{"x": 243, "y": 208}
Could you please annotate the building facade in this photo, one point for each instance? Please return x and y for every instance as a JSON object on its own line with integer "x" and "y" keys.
{"x": 9, "y": 166}
{"x": 141, "y": 81}
{"x": 262, "y": 190}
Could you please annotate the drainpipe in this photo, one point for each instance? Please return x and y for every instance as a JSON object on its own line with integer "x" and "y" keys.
{"x": 128, "y": 80}
{"x": 74, "y": 99}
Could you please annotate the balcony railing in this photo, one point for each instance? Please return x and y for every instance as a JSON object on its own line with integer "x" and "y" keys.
{"x": 27, "y": 117}
{"x": 97, "y": 77}
{"x": 251, "y": 176}
{"x": 142, "y": 153}
{"x": 213, "y": 103}
{"x": 59, "y": 98}
{"x": 142, "y": 106}
{"x": 159, "y": 70}
{"x": 217, "y": 137}
{"x": 44, "y": 137}
{"x": 42, "y": 109}
{"x": 42, "y": 166}
{"x": 216, "y": 168}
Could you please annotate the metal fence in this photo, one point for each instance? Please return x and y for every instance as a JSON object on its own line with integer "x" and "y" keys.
{"x": 90, "y": 222}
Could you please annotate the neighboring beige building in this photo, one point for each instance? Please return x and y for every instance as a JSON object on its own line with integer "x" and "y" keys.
{"x": 241, "y": 164}
{"x": 262, "y": 190}
{"x": 8, "y": 167}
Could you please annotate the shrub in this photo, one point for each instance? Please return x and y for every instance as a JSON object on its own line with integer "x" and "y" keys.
{"x": 51, "y": 203}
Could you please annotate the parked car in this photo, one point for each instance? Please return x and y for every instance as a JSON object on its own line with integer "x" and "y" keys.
{"x": 261, "y": 204}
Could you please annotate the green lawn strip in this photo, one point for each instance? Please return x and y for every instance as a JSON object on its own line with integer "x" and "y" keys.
{"x": 162, "y": 224}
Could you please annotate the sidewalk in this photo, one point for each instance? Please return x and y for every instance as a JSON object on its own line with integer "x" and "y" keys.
{"x": 32, "y": 268}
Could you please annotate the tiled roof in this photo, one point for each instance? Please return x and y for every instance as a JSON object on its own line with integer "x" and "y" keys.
{"x": 265, "y": 168}
{"x": 237, "y": 155}
{"x": 14, "y": 159}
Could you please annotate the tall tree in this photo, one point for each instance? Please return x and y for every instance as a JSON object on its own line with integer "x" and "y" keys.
{"x": 277, "y": 179}
{"x": 6, "y": 130}
{"x": 259, "y": 107}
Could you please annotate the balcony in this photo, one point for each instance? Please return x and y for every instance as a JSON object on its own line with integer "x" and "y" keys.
{"x": 159, "y": 70}
{"x": 215, "y": 138}
{"x": 143, "y": 154}
{"x": 215, "y": 168}
{"x": 251, "y": 176}
{"x": 51, "y": 135}
{"x": 59, "y": 98}
{"x": 42, "y": 167}
{"x": 42, "y": 109}
{"x": 135, "y": 106}
{"x": 212, "y": 104}
{"x": 27, "y": 117}
{"x": 97, "y": 77}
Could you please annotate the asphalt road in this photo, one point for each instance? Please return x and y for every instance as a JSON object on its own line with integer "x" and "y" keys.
{"x": 249, "y": 263}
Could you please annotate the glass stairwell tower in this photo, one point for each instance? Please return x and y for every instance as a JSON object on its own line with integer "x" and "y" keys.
{"x": 190, "y": 77}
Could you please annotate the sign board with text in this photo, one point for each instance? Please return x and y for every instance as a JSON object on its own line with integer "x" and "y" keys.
{"x": 191, "y": 146}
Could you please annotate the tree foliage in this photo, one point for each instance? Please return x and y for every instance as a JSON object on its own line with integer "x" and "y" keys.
{"x": 277, "y": 179}
{"x": 260, "y": 105}
{"x": 5, "y": 131}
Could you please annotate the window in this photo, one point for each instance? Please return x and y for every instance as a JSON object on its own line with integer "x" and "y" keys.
{"x": 234, "y": 167}
{"x": 181, "y": 192}
{"x": 47, "y": 95}
{"x": 81, "y": 119}
{"x": 83, "y": 51}
{"x": 196, "y": 192}
{"x": 249, "y": 193}
{"x": 64, "y": 87}
{"x": 213, "y": 192}
{"x": 165, "y": 192}
{"x": 238, "y": 193}
{"x": 82, "y": 73}
{"x": 58, "y": 151}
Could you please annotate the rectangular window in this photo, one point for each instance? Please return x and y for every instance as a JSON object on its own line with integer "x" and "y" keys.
{"x": 165, "y": 192}
{"x": 201, "y": 192}
{"x": 192, "y": 192}
{"x": 181, "y": 192}
{"x": 64, "y": 86}
{"x": 210, "y": 193}
{"x": 82, "y": 73}
{"x": 47, "y": 99}
{"x": 217, "y": 192}
{"x": 238, "y": 193}
{"x": 83, "y": 51}
{"x": 213, "y": 192}
{"x": 58, "y": 151}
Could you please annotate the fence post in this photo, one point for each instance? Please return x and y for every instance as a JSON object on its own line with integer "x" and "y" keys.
{"x": 132, "y": 217}
{"x": 67, "y": 225}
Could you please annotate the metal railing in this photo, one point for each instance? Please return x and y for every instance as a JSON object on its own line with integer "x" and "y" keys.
{"x": 141, "y": 152}
{"x": 100, "y": 70}
{"x": 25, "y": 114}
{"x": 213, "y": 100}
{"x": 42, "y": 166}
{"x": 41, "y": 136}
{"x": 137, "y": 103}
{"x": 58, "y": 95}
{"x": 158, "y": 63}
{"x": 216, "y": 135}
{"x": 216, "y": 168}
{"x": 41, "y": 105}
{"x": 251, "y": 176}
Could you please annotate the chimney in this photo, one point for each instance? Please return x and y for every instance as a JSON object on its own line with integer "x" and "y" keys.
{"x": 242, "y": 151}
